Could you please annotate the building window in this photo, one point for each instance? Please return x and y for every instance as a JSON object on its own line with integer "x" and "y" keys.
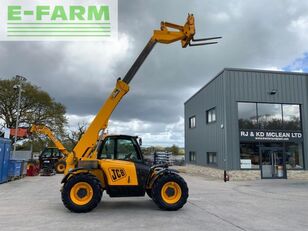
{"x": 291, "y": 117}
{"x": 270, "y": 116}
{"x": 192, "y": 156}
{"x": 211, "y": 158}
{"x": 249, "y": 156}
{"x": 211, "y": 115}
{"x": 247, "y": 115}
{"x": 192, "y": 122}
{"x": 294, "y": 156}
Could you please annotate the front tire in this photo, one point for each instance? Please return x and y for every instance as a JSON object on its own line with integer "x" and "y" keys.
{"x": 82, "y": 193}
{"x": 170, "y": 192}
{"x": 60, "y": 166}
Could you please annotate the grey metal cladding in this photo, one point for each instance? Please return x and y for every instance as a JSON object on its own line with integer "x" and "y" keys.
{"x": 224, "y": 91}
{"x": 205, "y": 137}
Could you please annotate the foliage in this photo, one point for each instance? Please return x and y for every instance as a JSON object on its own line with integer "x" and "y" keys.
{"x": 36, "y": 106}
{"x": 175, "y": 150}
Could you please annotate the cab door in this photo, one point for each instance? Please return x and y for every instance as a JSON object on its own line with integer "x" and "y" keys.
{"x": 122, "y": 163}
{"x": 128, "y": 148}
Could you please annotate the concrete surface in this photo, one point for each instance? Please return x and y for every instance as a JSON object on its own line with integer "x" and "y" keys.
{"x": 34, "y": 203}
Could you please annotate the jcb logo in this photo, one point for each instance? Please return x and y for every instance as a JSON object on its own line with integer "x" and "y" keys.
{"x": 117, "y": 173}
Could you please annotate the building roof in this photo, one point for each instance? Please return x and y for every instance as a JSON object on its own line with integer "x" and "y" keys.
{"x": 246, "y": 70}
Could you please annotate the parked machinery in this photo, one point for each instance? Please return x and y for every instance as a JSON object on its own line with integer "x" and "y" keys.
{"x": 51, "y": 158}
{"x": 114, "y": 163}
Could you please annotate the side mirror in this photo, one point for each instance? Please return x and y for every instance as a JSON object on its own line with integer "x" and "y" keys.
{"x": 140, "y": 141}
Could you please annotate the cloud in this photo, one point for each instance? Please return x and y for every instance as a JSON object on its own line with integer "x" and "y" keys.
{"x": 152, "y": 133}
{"x": 256, "y": 34}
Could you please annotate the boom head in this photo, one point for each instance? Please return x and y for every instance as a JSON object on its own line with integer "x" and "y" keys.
{"x": 184, "y": 33}
{"x": 189, "y": 30}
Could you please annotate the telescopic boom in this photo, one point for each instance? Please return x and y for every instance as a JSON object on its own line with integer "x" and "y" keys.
{"x": 88, "y": 142}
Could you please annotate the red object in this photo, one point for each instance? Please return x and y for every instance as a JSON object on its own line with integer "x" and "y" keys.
{"x": 33, "y": 170}
{"x": 21, "y": 132}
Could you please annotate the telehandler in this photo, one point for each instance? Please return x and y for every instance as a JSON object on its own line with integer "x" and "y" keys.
{"x": 51, "y": 157}
{"x": 114, "y": 163}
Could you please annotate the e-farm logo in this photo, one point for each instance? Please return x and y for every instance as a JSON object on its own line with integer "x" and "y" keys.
{"x": 56, "y": 20}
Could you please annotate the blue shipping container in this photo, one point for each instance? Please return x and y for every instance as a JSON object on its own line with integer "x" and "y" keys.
{"x": 15, "y": 168}
{"x": 5, "y": 148}
{"x": 23, "y": 169}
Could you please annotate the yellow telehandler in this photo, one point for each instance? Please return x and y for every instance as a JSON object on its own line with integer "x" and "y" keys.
{"x": 114, "y": 163}
{"x": 51, "y": 157}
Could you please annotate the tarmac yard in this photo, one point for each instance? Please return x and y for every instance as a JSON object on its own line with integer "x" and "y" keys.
{"x": 34, "y": 203}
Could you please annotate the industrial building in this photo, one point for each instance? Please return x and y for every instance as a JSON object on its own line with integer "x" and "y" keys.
{"x": 249, "y": 120}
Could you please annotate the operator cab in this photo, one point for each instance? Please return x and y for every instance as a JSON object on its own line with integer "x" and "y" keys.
{"x": 120, "y": 147}
{"x": 51, "y": 153}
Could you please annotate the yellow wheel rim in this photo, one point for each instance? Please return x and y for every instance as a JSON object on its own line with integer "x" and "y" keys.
{"x": 61, "y": 167}
{"x": 171, "y": 192}
{"x": 81, "y": 193}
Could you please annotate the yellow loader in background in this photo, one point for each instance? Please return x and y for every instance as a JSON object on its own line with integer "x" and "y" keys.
{"x": 51, "y": 157}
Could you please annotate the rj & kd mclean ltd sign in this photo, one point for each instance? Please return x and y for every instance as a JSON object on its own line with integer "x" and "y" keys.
{"x": 270, "y": 136}
{"x": 53, "y": 20}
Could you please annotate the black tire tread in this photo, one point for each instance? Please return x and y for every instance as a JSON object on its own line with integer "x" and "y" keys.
{"x": 97, "y": 196}
{"x": 156, "y": 191}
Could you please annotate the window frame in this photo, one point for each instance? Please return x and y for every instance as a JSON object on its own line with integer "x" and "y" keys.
{"x": 300, "y": 116}
{"x": 189, "y": 121}
{"x": 208, "y": 158}
{"x": 192, "y": 153}
{"x": 57, "y": 153}
{"x": 256, "y": 110}
{"x": 115, "y": 148}
{"x": 213, "y": 109}
{"x": 139, "y": 158}
{"x": 50, "y": 151}
{"x": 103, "y": 145}
{"x": 270, "y": 104}
{"x": 258, "y": 155}
{"x": 283, "y": 122}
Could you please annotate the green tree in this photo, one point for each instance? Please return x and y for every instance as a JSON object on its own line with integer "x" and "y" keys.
{"x": 37, "y": 107}
{"x": 173, "y": 149}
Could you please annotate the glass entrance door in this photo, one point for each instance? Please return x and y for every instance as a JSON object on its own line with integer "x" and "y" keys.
{"x": 272, "y": 163}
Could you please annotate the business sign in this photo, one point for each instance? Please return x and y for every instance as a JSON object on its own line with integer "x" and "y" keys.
{"x": 54, "y": 20}
{"x": 245, "y": 164}
{"x": 270, "y": 136}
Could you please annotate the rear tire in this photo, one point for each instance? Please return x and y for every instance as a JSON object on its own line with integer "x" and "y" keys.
{"x": 82, "y": 193}
{"x": 170, "y": 192}
{"x": 60, "y": 166}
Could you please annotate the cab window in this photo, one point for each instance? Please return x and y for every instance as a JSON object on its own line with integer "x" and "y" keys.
{"x": 108, "y": 149}
{"x": 57, "y": 153}
{"x": 47, "y": 153}
{"x": 126, "y": 150}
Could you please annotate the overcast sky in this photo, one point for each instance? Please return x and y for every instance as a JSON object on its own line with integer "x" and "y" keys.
{"x": 256, "y": 34}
